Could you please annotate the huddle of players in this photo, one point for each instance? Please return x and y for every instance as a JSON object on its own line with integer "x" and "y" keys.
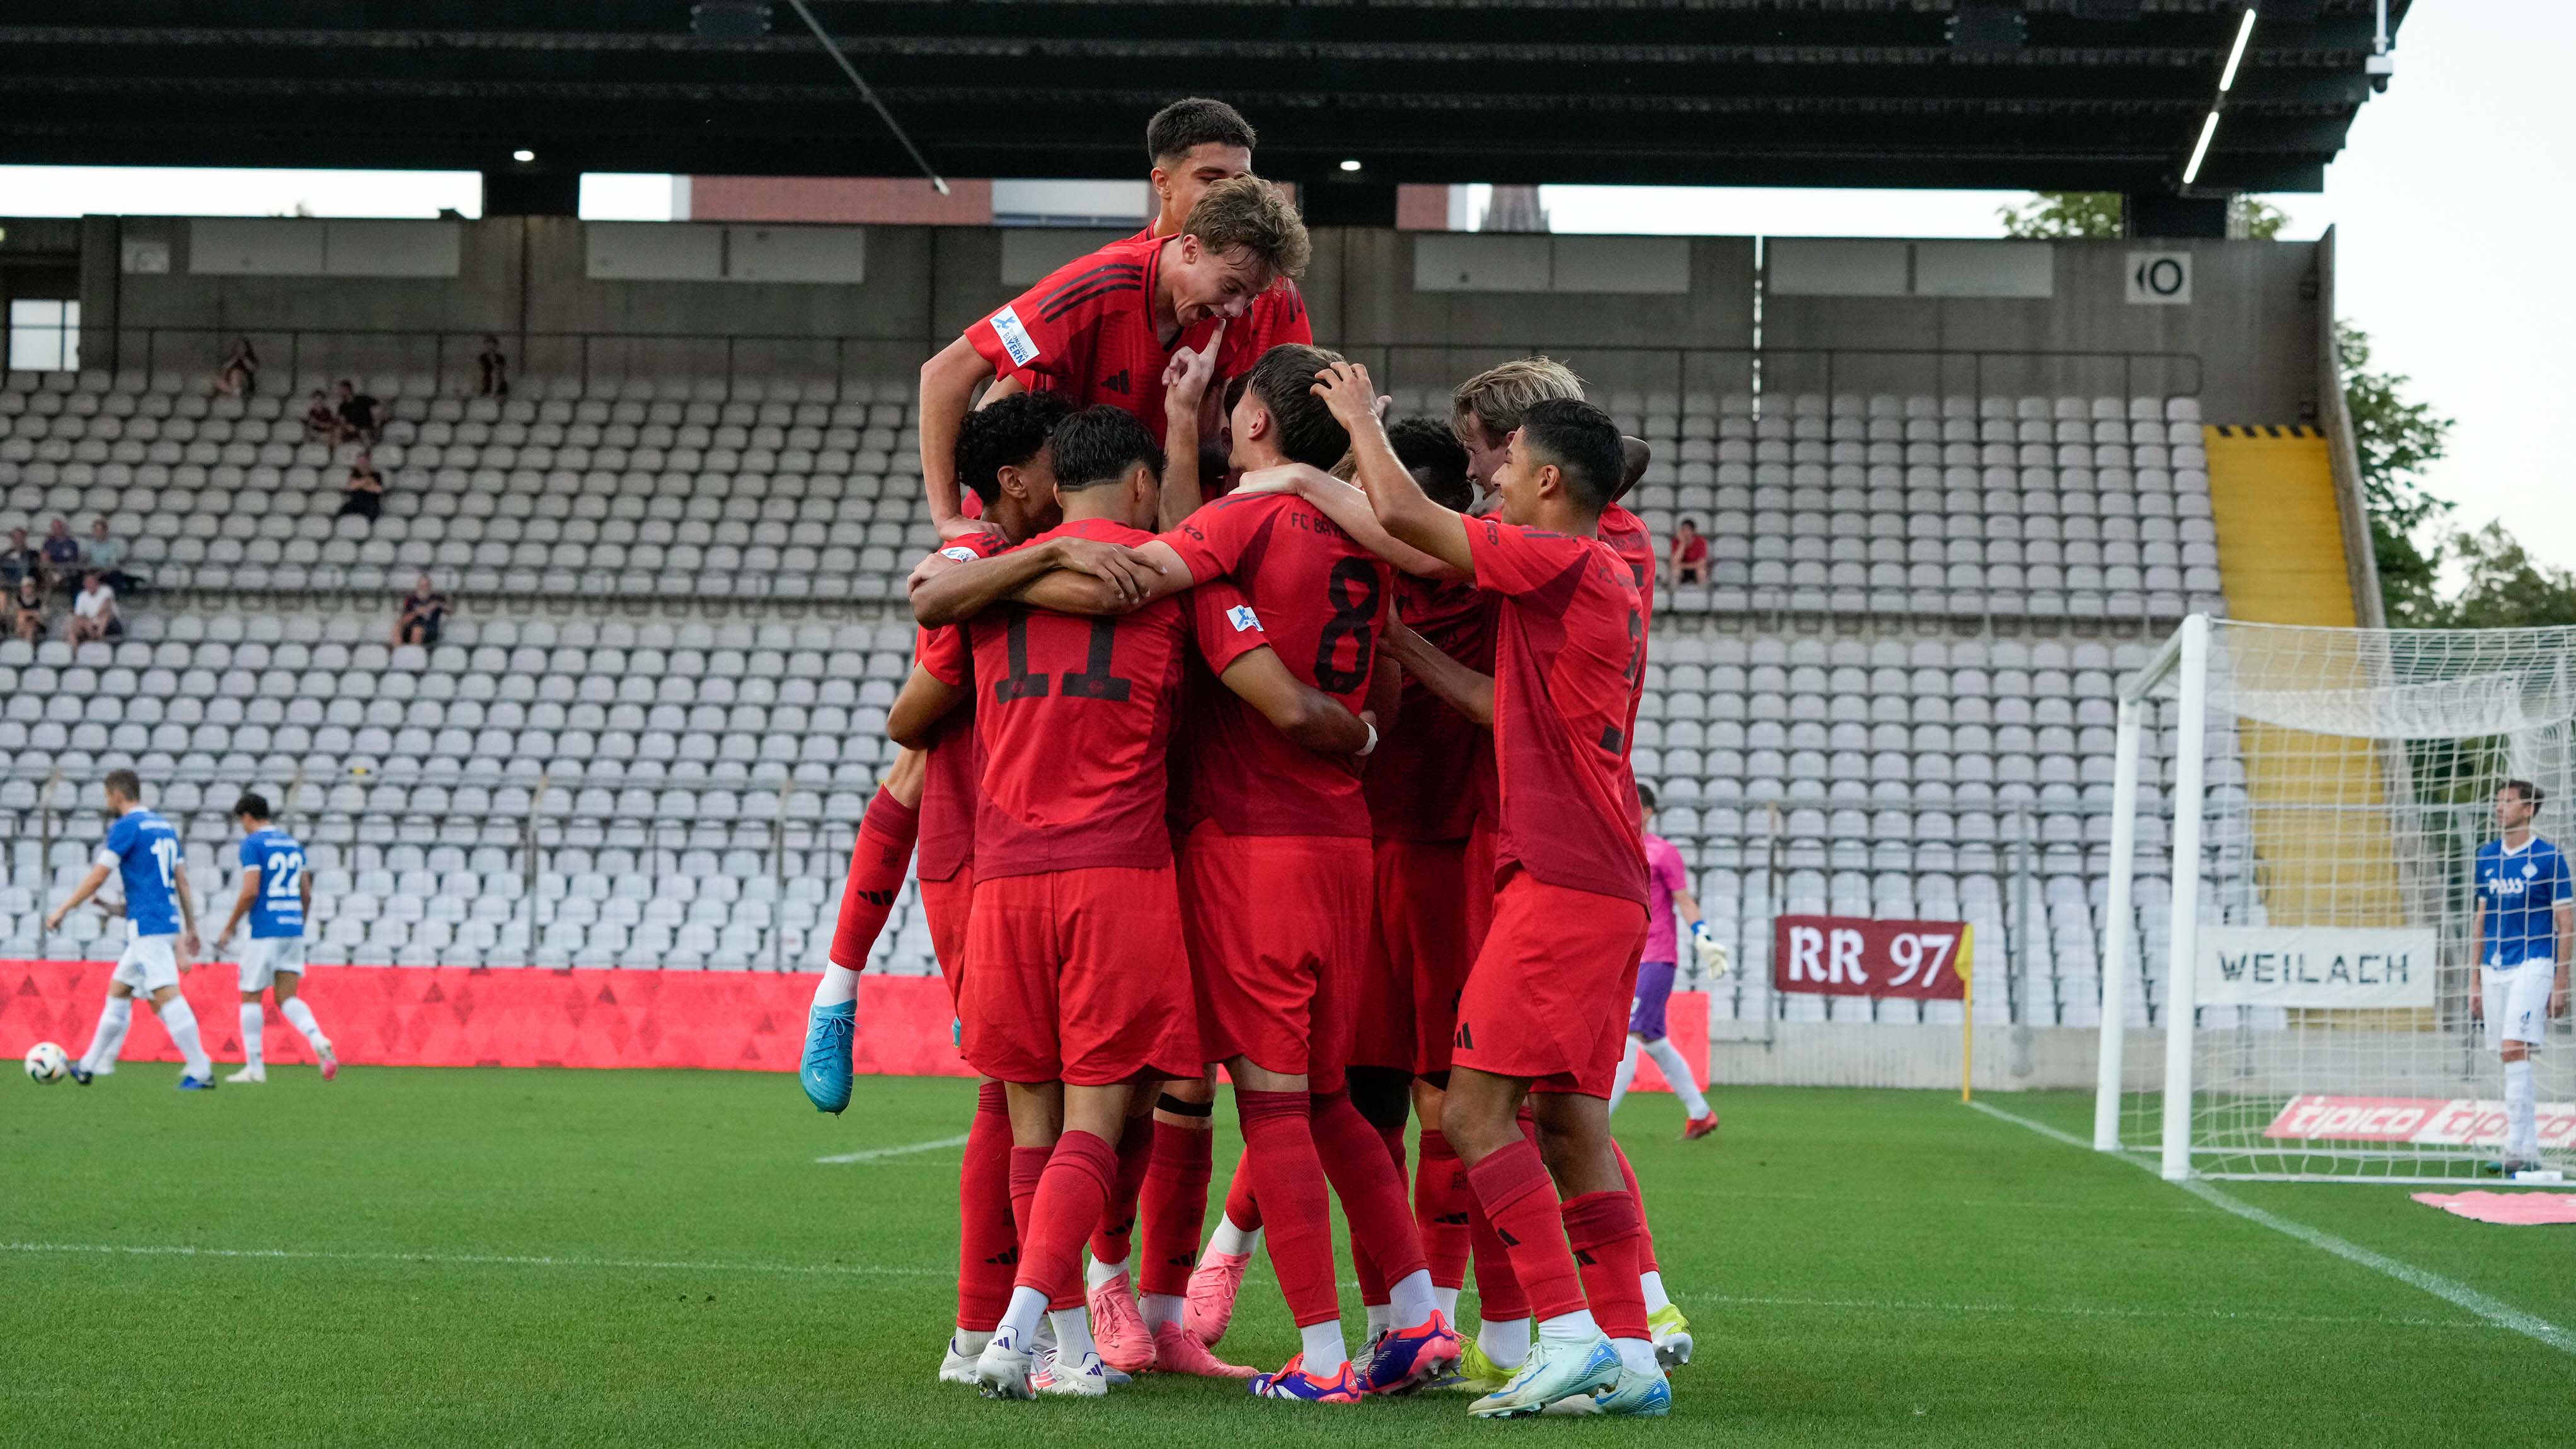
{"x": 1137, "y": 867}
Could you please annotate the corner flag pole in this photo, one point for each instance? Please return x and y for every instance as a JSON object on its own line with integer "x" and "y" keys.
{"x": 1967, "y": 1014}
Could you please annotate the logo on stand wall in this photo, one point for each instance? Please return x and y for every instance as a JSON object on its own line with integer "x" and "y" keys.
{"x": 2160, "y": 279}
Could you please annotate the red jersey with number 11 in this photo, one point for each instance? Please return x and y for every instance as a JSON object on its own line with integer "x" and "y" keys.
{"x": 1075, "y": 715}
{"x": 1569, "y": 648}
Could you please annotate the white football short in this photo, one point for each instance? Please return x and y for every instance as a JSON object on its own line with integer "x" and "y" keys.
{"x": 149, "y": 963}
{"x": 264, "y": 956}
{"x": 2518, "y": 1002}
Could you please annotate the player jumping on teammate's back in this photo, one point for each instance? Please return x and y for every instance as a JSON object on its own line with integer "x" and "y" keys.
{"x": 1102, "y": 329}
{"x": 1667, "y": 887}
{"x": 161, "y": 933}
{"x": 277, "y": 895}
{"x": 1076, "y": 982}
{"x": 1540, "y": 1017}
{"x": 2525, "y": 934}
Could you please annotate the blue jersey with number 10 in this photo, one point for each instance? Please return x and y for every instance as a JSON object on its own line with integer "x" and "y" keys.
{"x": 278, "y": 909}
{"x": 145, "y": 851}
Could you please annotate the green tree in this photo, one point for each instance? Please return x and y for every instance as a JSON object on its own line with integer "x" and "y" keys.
{"x": 2507, "y": 588}
{"x": 2394, "y": 438}
{"x": 2064, "y": 216}
{"x": 2253, "y": 218}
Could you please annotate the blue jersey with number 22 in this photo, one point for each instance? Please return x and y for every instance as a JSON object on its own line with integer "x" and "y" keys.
{"x": 278, "y": 910}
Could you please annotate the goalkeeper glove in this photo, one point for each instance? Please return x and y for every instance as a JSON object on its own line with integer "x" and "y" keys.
{"x": 1712, "y": 956}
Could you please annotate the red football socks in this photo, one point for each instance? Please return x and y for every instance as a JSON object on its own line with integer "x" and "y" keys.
{"x": 988, "y": 1239}
{"x": 1070, "y": 1195}
{"x": 1242, "y": 1205}
{"x": 1279, "y": 1152}
{"x": 1028, "y": 1168}
{"x": 878, "y": 861}
{"x": 1645, "y": 1234}
{"x": 1440, "y": 1201}
{"x": 1110, "y": 1241}
{"x": 1173, "y": 1206}
{"x": 1354, "y": 1156}
{"x": 1520, "y": 1200}
{"x": 1602, "y": 1227}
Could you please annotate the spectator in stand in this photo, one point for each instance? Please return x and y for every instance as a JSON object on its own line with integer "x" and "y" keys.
{"x": 496, "y": 368}
{"x": 94, "y": 613}
{"x": 321, "y": 420}
{"x": 24, "y": 562}
{"x": 424, "y": 611}
{"x": 1690, "y": 555}
{"x": 62, "y": 555}
{"x": 361, "y": 416}
{"x": 104, "y": 553}
{"x": 26, "y": 611}
{"x": 239, "y": 376}
{"x": 363, "y": 496}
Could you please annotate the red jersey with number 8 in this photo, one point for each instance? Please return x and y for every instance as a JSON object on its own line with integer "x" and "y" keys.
{"x": 1075, "y": 715}
{"x": 1322, "y": 601}
{"x": 1569, "y": 648}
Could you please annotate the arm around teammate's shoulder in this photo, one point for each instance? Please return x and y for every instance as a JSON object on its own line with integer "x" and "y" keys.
{"x": 1394, "y": 496}
{"x": 1298, "y": 710}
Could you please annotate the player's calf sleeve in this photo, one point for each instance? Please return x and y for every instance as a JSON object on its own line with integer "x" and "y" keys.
{"x": 1028, "y": 1167}
{"x": 1440, "y": 1210}
{"x": 299, "y": 1014}
{"x": 1242, "y": 1203}
{"x": 878, "y": 861}
{"x": 1279, "y": 1155}
{"x": 1111, "y": 1240}
{"x": 1602, "y": 1229}
{"x": 1070, "y": 1195}
{"x": 114, "y": 1018}
{"x": 1371, "y": 1190}
{"x": 988, "y": 1240}
{"x": 1499, "y": 1294}
{"x": 1645, "y": 1236}
{"x": 1173, "y": 1206}
{"x": 180, "y": 1020}
{"x": 253, "y": 1021}
{"x": 1520, "y": 1200}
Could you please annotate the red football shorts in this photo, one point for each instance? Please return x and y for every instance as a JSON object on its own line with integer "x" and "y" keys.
{"x": 1548, "y": 996}
{"x": 1278, "y": 927}
{"x": 945, "y": 906}
{"x": 1077, "y": 976}
{"x": 1418, "y": 957}
{"x": 1481, "y": 842}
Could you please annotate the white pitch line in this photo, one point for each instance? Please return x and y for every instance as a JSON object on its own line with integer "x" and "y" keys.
{"x": 875, "y": 1154}
{"x": 2493, "y": 1310}
{"x": 470, "y": 1260}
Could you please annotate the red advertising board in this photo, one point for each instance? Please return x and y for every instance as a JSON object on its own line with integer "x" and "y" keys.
{"x": 1854, "y": 956}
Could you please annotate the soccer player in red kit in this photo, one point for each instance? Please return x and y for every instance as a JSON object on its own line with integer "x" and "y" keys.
{"x": 1077, "y": 983}
{"x": 931, "y": 793}
{"x": 1542, "y": 1013}
{"x": 1191, "y": 145}
{"x": 1103, "y": 328}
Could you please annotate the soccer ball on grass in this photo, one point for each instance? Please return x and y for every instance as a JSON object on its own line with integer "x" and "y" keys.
{"x": 46, "y": 1064}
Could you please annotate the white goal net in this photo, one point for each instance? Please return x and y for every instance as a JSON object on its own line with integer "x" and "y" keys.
{"x": 2290, "y": 983}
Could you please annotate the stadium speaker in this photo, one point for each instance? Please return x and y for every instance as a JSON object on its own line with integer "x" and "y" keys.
{"x": 1988, "y": 27}
{"x": 729, "y": 19}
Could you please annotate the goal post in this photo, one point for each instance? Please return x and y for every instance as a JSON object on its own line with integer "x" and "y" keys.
{"x": 2289, "y": 984}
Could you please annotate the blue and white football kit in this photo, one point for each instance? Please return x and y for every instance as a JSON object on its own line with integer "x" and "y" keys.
{"x": 277, "y": 912}
{"x": 2522, "y": 891}
{"x": 145, "y": 853}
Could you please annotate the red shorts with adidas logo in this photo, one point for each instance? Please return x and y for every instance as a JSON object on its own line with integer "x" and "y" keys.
{"x": 1548, "y": 996}
{"x": 1078, "y": 976}
{"x": 1418, "y": 956}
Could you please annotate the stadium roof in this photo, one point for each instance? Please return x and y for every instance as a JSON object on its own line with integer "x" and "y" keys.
{"x": 2044, "y": 94}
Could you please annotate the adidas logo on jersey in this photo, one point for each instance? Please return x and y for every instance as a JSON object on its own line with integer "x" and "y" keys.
{"x": 1116, "y": 382}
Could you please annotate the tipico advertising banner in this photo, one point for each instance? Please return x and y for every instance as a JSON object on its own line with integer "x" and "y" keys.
{"x": 2422, "y": 1121}
{"x": 2316, "y": 966}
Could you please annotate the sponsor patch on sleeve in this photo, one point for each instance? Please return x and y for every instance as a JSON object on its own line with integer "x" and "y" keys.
{"x": 1015, "y": 337}
{"x": 1243, "y": 619}
{"x": 960, "y": 552}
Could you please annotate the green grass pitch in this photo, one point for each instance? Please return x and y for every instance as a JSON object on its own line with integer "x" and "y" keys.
{"x": 630, "y": 1258}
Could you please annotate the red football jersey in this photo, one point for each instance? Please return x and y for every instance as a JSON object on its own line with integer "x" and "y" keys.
{"x": 1629, "y": 538}
{"x": 1076, "y": 719}
{"x": 1278, "y": 315}
{"x": 1088, "y": 331}
{"x": 953, "y": 759}
{"x": 1569, "y": 648}
{"x": 1322, "y": 600}
{"x": 1429, "y": 773}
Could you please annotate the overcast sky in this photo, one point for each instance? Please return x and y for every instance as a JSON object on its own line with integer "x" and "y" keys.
{"x": 2454, "y": 241}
